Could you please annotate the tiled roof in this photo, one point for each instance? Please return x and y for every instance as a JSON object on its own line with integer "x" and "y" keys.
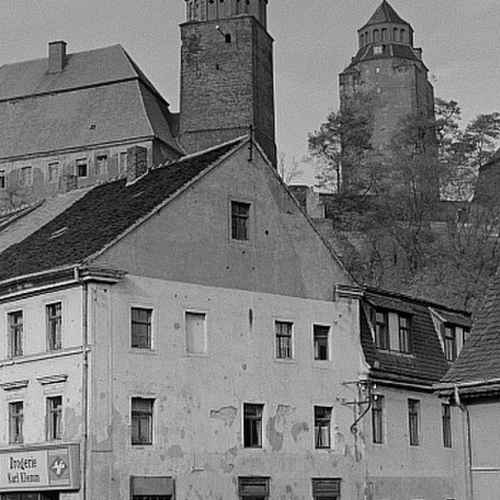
{"x": 389, "y": 50}
{"x": 480, "y": 357}
{"x": 427, "y": 363}
{"x": 102, "y": 215}
{"x": 385, "y": 14}
{"x": 99, "y": 97}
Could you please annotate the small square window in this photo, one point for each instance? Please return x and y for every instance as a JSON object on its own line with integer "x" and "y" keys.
{"x": 196, "y": 333}
{"x": 142, "y": 421}
{"x": 252, "y": 425}
{"x": 283, "y": 332}
{"x": 81, "y": 167}
{"x": 322, "y": 427}
{"x": 240, "y": 215}
{"x": 141, "y": 327}
{"x": 321, "y": 342}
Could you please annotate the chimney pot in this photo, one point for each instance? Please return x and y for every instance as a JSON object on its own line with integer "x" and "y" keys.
{"x": 57, "y": 56}
{"x": 137, "y": 162}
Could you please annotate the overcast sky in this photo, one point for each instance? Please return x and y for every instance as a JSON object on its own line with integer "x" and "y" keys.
{"x": 314, "y": 41}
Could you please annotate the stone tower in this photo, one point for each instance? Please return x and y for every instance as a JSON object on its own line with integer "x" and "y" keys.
{"x": 227, "y": 83}
{"x": 388, "y": 65}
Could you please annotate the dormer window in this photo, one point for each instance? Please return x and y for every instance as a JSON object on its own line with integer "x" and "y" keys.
{"x": 454, "y": 337}
{"x": 392, "y": 331}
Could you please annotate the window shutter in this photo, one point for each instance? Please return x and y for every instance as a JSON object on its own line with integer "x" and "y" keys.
{"x": 326, "y": 487}
{"x": 254, "y": 486}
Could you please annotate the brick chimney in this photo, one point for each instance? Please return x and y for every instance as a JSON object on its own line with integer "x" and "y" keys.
{"x": 57, "y": 56}
{"x": 137, "y": 162}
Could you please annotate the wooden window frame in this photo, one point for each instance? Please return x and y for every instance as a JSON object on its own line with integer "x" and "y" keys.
{"x": 253, "y": 416}
{"x": 322, "y": 420}
{"x": 54, "y": 326}
{"x": 140, "y": 413}
{"x": 54, "y": 419}
{"x": 378, "y": 419}
{"x": 134, "y": 344}
{"x": 414, "y": 422}
{"x": 16, "y": 420}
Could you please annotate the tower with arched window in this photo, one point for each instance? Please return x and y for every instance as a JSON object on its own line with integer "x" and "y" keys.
{"x": 227, "y": 77}
{"x": 388, "y": 65}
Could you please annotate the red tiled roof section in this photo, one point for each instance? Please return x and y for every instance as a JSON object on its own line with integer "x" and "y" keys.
{"x": 101, "y": 215}
{"x": 480, "y": 357}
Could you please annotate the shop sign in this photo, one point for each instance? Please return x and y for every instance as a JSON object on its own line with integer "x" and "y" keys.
{"x": 55, "y": 467}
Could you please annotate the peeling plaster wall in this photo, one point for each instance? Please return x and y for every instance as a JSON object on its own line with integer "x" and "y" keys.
{"x": 199, "y": 399}
{"x": 189, "y": 240}
{"x": 398, "y": 471}
{"x": 38, "y": 363}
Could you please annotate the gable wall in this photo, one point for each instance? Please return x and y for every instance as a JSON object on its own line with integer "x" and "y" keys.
{"x": 189, "y": 240}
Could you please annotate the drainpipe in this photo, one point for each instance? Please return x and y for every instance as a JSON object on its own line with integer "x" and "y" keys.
{"x": 468, "y": 445}
{"x": 85, "y": 380}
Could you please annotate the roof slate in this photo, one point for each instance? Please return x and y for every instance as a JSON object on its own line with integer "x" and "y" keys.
{"x": 385, "y": 13}
{"x": 101, "y": 215}
{"x": 427, "y": 363}
{"x": 480, "y": 357}
{"x": 44, "y": 112}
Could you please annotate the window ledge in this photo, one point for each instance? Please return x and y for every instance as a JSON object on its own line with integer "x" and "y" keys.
{"x": 290, "y": 361}
{"x": 44, "y": 355}
{"x": 189, "y": 355}
{"x": 147, "y": 352}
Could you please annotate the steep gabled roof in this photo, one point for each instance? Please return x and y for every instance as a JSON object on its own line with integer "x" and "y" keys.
{"x": 100, "y": 97}
{"x": 480, "y": 358}
{"x": 385, "y": 14}
{"x": 427, "y": 363}
{"x": 102, "y": 215}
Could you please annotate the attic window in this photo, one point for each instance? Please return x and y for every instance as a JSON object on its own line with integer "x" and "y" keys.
{"x": 58, "y": 233}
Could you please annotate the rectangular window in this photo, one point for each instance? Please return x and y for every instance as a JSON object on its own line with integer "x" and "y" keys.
{"x": 321, "y": 345}
{"x": 54, "y": 418}
{"x": 326, "y": 489}
{"x": 322, "y": 426}
{"x": 15, "y": 321}
{"x": 141, "y": 327}
{"x": 16, "y": 418}
{"x": 414, "y": 421}
{"x": 3, "y": 180}
{"x": 446, "y": 413}
{"x": 253, "y": 488}
{"x": 450, "y": 343}
{"x": 382, "y": 330}
{"x": 123, "y": 163}
{"x": 378, "y": 419}
{"x": 252, "y": 425}
{"x": 101, "y": 162}
{"x": 240, "y": 215}
{"x": 404, "y": 334}
{"x": 196, "y": 333}
{"x": 53, "y": 172}
{"x": 54, "y": 324}
{"x": 283, "y": 332}
{"x": 142, "y": 421}
{"x": 26, "y": 176}
{"x": 81, "y": 167}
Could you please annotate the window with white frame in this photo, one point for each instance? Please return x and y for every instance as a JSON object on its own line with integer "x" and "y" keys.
{"x": 142, "y": 421}
{"x": 54, "y": 326}
{"x": 284, "y": 339}
{"x": 82, "y": 167}
{"x": 240, "y": 220}
{"x": 196, "y": 332}
{"x": 15, "y": 325}
{"x": 321, "y": 339}
{"x": 16, "y": 421}
{"x": 140, "y": 327}
{"x": 322, "y": 427}
{"x": 54, "y": 418}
